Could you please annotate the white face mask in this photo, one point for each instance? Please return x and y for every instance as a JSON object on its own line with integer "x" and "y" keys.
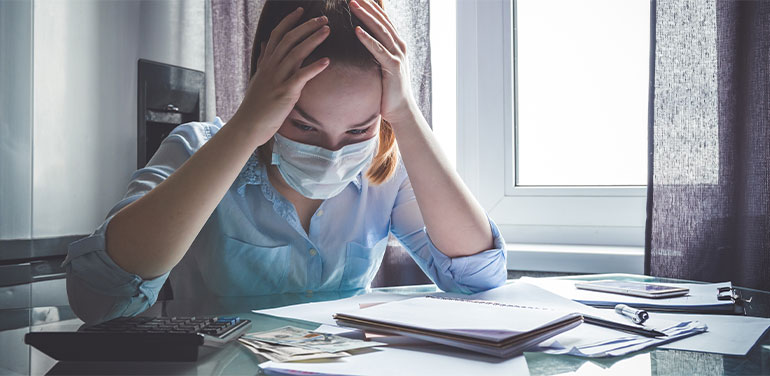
{"x": 320, "y": 173}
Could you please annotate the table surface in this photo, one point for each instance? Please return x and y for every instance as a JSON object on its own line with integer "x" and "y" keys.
{"x": 18, "y": 358}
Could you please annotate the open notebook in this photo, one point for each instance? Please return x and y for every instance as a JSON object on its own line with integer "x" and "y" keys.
{"x": 498, "y": 329}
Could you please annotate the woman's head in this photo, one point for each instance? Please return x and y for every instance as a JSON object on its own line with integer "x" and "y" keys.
{"x": 341, "y": 105}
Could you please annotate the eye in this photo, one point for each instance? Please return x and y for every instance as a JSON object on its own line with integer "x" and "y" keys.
{"x": 303, "y": 127}
{"x": 359, "y": 131}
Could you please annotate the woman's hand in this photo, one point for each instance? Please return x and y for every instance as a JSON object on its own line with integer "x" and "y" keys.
{"x": 278, "y": 81}
{"x": 390, "y": 50}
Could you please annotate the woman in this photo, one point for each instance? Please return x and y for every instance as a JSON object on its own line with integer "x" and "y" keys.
{"x": 300, "y": 189}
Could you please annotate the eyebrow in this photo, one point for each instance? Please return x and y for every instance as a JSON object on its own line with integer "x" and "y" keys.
{"x": 308, "y": 117}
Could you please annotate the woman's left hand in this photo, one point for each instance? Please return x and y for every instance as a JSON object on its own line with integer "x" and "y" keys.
{"x": 390, "y": 50}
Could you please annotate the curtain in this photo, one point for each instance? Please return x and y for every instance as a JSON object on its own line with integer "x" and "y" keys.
{"x": 233, "y": 25}
{"x": 709, "y": 175}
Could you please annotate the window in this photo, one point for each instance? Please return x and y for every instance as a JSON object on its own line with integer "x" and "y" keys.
{"x": 552, "y": 102}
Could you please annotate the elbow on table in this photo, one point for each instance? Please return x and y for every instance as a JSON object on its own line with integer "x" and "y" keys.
{"x": 88, "y": 305}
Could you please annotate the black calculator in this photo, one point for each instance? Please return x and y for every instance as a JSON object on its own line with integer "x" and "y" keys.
{"x": 140, "y": 338}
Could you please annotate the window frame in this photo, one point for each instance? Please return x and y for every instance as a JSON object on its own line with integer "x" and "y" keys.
{"x": 486, "y": 116}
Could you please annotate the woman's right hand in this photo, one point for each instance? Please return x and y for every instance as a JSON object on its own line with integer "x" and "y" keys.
{"x": 277, "y": 83}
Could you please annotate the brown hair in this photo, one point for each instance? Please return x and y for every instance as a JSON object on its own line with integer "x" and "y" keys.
{"x": 342, "y": 47}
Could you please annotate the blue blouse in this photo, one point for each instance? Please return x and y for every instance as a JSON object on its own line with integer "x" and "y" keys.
{"x": 253, "y": 243}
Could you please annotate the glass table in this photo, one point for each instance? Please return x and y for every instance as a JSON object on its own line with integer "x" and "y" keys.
{"x": 18, "y": 358}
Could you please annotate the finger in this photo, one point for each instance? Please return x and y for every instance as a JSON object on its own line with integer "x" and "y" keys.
{"x": 374, "y": 46}
{"x": 377, "y": 11}
{"x": 299, "y": 53}
{"x": 283, "y": 27}
{"x": 298, "y": 34}
{"x": 389, "y": 23}
{"x": 380, "y": 31}
{"x": 261, "y": 53}
{"x": 302, "y": 76}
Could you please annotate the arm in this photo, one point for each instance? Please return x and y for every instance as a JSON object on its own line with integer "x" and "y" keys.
{"x": 464, "y": 274}
{"x": 151, "y": 235}
{"x": 455, "y": 221}
{"x": 120, "y": 268}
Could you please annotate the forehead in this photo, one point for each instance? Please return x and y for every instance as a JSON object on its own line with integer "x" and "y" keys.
{"x": 342, "y": 96}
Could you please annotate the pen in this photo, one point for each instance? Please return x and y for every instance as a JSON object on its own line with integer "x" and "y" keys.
{"x": 638, "y": 316}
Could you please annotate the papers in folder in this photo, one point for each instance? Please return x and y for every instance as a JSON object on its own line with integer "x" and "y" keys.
{"x": 702, "y": 297}
{"x": 497, "y": 329}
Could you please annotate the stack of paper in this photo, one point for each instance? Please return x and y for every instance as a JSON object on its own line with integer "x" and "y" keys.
{"x": 502, "y": 330}
{"x": 701, "y": 298}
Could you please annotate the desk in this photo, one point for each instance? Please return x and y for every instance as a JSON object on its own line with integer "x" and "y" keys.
{"x": 19, "y": 358}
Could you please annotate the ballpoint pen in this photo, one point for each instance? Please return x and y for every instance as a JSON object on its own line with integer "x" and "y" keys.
{"x": 638, "y": 316}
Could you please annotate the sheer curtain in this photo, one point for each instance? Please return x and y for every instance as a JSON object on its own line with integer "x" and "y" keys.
{"x": 709, "y": 192}
{"x": 233, "y": 24}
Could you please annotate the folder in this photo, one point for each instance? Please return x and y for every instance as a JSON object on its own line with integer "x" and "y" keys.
{"x": 501, "y": 330}
{"x": 702, "y": 298}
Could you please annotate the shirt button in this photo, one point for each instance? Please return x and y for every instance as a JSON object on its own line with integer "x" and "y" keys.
{"x": 320, "y": 213}
{"x": 313, "y": 252}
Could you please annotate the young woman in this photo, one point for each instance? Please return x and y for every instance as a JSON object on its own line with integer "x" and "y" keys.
{"x": 300, "y": 189}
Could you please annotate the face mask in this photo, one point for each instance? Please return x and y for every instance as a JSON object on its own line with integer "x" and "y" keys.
{"x": 320, "y": 173}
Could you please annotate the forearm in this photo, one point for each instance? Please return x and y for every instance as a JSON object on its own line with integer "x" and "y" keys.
{"x": 151, "y": 235}
{"x": 455, "y": 221}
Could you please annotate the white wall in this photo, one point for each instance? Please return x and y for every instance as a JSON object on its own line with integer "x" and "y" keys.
{"x": 15, "y": 119}
{"x": 84, "y": 106}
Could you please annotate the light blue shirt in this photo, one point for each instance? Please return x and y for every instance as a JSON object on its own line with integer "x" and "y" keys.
{"x": 253, "y": 243}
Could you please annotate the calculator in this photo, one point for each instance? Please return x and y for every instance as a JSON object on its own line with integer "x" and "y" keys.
{"x": 140, "y": 338}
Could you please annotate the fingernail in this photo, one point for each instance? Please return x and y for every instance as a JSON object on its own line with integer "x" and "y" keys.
{"x": 298, "y": 10}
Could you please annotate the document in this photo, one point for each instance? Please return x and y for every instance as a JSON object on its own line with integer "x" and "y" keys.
{"x": 592, "y": 340}
{"x": 725, "y": 334}
{"x": 701, "y": 298}
{"x": 322, "y": 312}
{"x": 493, "y": 328}
{"x": 407, "y": 360}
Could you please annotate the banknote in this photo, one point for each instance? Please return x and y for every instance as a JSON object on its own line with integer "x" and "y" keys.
{"x": 307, "y": 339}
{"x": 280, "y": 353}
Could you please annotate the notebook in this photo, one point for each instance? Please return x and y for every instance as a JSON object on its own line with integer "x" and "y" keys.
{"x": 498, "y": 329}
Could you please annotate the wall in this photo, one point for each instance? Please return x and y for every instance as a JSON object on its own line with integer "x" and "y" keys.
{"x": 15, "y": 119}
{"x": 80, "y": 142}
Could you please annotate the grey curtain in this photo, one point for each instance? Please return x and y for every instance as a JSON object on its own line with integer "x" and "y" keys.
{"x": 709, "y": 191}
{"x": 234, "y": 23}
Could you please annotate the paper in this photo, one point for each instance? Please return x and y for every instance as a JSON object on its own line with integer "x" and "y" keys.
{"x": 417, "y": 360}
{"x": 322, "y": 312}
{"x": 727, "y": 334}
{"x": 701, "y": 296}
{"x": 591, "y": 340}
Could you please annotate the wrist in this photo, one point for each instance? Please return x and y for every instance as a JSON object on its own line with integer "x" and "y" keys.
{"x": 249, "y": 130}
{"x": 407, "y": 114}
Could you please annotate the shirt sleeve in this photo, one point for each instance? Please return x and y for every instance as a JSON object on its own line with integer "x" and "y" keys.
{"x": 97, "y": 288}
{"x": 467, "y": 274}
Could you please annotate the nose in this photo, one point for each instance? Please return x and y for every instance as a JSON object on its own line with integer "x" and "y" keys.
{"x": 332, "y": 142}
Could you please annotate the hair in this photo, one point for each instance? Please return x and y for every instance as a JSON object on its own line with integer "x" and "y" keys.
{"x": 343, "y": 47}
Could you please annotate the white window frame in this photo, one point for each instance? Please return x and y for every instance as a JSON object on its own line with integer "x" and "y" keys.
{"x": 613, "y": 217}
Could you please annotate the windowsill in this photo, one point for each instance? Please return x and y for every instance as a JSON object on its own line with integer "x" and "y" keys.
{"x": 575, "y": 258}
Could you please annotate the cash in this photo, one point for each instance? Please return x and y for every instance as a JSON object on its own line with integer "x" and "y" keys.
{"x": 292, "y": 344}
{"x": 278, "y": 353}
